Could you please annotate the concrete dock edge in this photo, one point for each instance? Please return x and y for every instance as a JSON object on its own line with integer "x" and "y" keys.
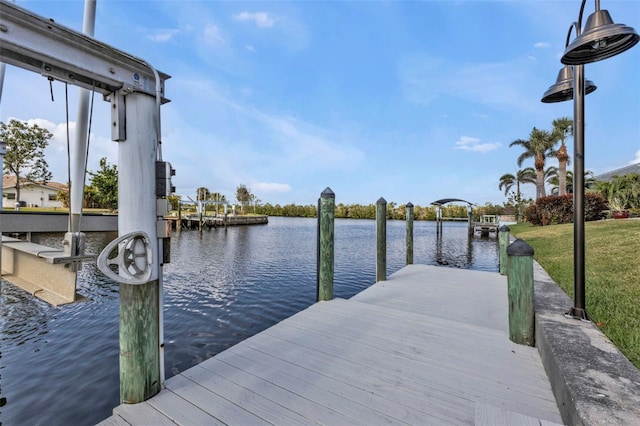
{"x": 592, "y": 381}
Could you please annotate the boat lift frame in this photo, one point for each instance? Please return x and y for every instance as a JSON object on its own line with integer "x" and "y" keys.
{"x": 133, "y": 88}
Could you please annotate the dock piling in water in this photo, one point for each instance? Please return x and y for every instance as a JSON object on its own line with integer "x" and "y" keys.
{"x": 504, "y": 242}
{"x": 326, "y": 219}
{"x": 381, "y": 226}
{"x": 409, "y": 240}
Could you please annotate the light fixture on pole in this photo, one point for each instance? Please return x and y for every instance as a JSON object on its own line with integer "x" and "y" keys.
{"x": 562, "y": 90}
{"x": 600, "y": 40}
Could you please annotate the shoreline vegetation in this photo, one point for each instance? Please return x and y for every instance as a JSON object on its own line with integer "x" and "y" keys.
{"x": 342, "y": 211}
{"x": 612, "y": 271}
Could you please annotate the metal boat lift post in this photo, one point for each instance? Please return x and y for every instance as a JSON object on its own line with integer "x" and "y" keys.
{"x": 135, "y": 91}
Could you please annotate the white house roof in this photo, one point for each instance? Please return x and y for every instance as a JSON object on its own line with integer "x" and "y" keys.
{"x": 9, "y": 182}
{"x": 633, "y": 168}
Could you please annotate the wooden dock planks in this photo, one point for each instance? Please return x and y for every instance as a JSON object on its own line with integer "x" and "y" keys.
{"x": 428, "y": 346}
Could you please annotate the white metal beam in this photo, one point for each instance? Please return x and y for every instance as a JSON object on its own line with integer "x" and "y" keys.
{"x": 41, "y": 45}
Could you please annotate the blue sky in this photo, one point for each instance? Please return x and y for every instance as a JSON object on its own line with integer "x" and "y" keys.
{"x": 408, "y": 100}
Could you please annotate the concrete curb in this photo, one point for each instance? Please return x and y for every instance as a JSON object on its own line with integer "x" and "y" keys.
{"x": 593, "y": 382}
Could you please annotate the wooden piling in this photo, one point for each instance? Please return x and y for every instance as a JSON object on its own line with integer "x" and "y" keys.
{"x": 139, "y": 340}
{"x": 409, "y": 239}
{"x": 381, "y": 240}
{"x": 520, "y": 292}
{"x": 503, "y": 238}
{"x": 179, "y": 221}
{"x": 326, "y": 219}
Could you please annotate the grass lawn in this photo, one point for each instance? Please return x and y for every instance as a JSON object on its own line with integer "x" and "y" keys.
{"x": 612, "y": 268}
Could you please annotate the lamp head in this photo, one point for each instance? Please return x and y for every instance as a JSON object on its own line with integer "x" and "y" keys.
{"x": 601, "y": 39}
{"x": 562, "y": 90}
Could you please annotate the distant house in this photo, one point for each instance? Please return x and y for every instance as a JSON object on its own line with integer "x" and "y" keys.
{"x": 633, "y": 168}
{"x": 32, "y": 194}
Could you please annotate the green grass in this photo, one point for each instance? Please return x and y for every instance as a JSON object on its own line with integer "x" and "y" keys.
{"x": 612, "y": 268}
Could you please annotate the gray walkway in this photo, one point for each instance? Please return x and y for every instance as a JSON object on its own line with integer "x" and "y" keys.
{"x": 428, "y": 346}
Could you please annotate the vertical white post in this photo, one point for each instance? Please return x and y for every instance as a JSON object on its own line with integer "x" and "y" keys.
{"x": 79, "y": 149}
{"x": 139, "y": 304}
{"x": 137, "y": 171}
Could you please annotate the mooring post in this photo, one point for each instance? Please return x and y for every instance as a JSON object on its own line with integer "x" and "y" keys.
{"x": 326, "y": 219}
{"x": 503, "y": 238}
{"x": 139, "y": 304}
{"x": 179, "y": 221}
{"x": 521, "y": 301}
{"x": 409, "y": 209}
{"x": 381, "y": 240}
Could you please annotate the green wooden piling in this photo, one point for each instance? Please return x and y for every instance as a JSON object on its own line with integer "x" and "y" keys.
{"x": 326, "y": 219}
{"x": 139, "y": 342}
{"x": 381, "y": 240}
{"x": 179, "y": 221}
{"x": 503, "y": 238}
{"x": 520, "y": 284}
{"x": 409, "y": 241}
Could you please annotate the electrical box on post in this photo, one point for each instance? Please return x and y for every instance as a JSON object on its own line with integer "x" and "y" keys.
{"x": 164, "y": 171}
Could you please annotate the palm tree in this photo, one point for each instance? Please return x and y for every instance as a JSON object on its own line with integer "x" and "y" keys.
{"x": 539, "y": 146}
{"x": 507, "y": 181}
{"x": 562, "y": 128}
{"x": 202, "y": 194}
{"x": 553, "y": 178}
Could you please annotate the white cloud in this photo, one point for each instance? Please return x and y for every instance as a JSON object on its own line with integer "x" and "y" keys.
{"x": 213, "y": 35}
{"x": 163, "y": 36}
{"x": 250, "y": 48}
{"x": 261, "y": 19}
{"x": 503, "y": 84}
{"x": 468, "y": 143}
{"x": 56, "y": 151}
{"x": 542, "y": 45}
{"x": 259, "y": 187}
{"x": 637, "y": 159}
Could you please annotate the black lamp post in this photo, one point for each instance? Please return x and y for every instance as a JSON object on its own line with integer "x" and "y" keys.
{"x": 600, "y": 40}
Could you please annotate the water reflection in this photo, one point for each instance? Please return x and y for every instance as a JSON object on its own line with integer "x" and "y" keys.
{"x": 459, "y": 250}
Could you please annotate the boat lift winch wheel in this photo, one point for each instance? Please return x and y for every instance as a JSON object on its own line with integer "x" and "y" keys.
{"x": 133, "y": 259}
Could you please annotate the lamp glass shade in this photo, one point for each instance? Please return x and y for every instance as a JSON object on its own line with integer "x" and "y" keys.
{"x": 600, "y": 40}
{"x": 562, "y": 89}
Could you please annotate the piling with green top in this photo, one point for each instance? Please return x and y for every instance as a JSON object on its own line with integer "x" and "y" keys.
{"x": 409, "y": 241}
{"x": 326, "y": 219}
{"x": 381, "y": 239}
{"x": 520, "y": 292}
{"x": 503, "y": 238}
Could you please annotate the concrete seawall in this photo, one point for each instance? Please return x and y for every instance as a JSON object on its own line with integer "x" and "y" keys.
{"x": 24, "y": 222}
{"x": 593, "y": 382}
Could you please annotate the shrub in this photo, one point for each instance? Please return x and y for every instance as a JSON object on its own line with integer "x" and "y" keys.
{"x": 555, "y": 210}
{"x": 531, "y": 215}
{"x": 594, "y": 205}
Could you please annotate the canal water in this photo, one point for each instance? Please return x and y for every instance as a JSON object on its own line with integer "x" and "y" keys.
{"x": 59, "y": 365}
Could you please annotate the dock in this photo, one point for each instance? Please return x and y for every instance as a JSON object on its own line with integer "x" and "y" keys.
{"x": 430, "y": 345}
{"x": 188, "y": 222}
{"x": 488, "y": 223}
